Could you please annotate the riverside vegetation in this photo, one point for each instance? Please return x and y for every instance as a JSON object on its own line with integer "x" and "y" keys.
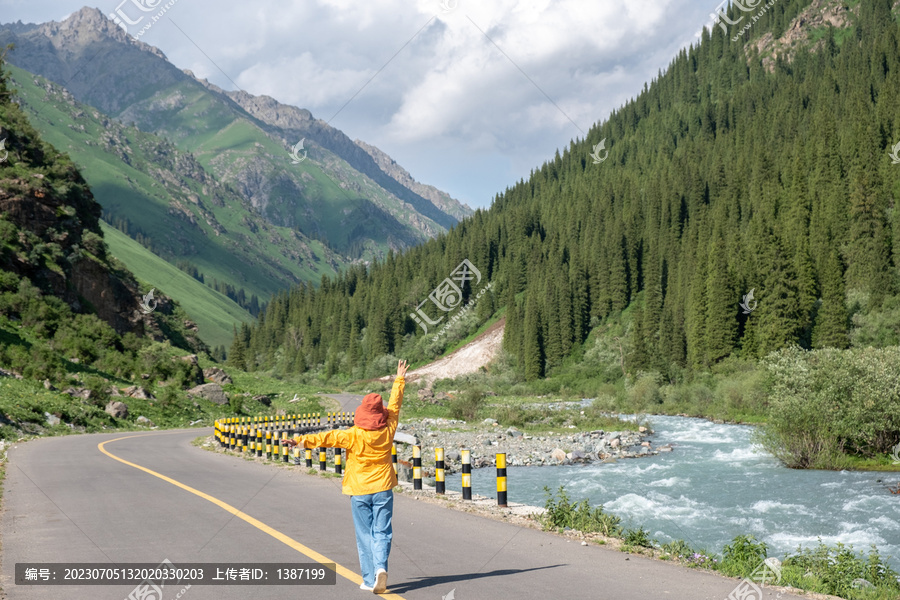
{"x": 836, "y": 570}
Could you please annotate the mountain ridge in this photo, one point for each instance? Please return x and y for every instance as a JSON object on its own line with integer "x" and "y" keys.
{"x": 86, "y": 50}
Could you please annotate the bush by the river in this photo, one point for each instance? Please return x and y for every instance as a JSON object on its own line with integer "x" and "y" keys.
{"x": 825, "y": 405}
{"x": 837, "y": 570}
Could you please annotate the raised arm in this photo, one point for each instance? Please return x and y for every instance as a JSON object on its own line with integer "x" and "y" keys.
{"x": 396, "y": 401}
{"x": 336, "y": 438}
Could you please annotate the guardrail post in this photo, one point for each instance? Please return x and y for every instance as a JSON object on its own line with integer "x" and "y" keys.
{"x": 337, "y": 461}
{"x": 308, "y": 453}
{"x": 259, "y": 441}
{"x": 466, "y": 457}
{"x": 394, "y": 458}
{"x": 323, "y": 459}
{"x": 417, "y": 467}
{"x": 284, "y": 448}
{"x": 501, "y": 479}
{"x": 439, "y": 471}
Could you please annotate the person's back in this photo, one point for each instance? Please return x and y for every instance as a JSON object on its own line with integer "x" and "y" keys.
{"x": 370, "y": 478}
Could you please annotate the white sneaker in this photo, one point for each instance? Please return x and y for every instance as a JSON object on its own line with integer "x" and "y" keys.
{"x": 380, "y": 581}
{"x": 363, "y": 586}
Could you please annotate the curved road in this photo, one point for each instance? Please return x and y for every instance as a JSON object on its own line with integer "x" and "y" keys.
{"x": 139, "y": 498}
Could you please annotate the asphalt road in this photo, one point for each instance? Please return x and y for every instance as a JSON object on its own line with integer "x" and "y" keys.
{"x": 349, "y": 402}
{"x": 65, "y": 500}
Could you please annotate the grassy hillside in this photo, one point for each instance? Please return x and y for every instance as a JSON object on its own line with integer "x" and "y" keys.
{"x": 337, "y": 193}
{"x": 165, "y": 198}
{"x": 213, "y": 313}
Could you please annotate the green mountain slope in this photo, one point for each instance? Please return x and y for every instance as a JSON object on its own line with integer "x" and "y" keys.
{"x": 162, "y": 196}
{"x": 214, "y": 314}
{"x": 727, "y": 174}
{"x": 337, "y": 193}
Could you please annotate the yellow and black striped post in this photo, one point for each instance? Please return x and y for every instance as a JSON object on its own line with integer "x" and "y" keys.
{"x": 252, "y": 441}
{"x": 268, "y": 444}
{"x": 466, "y": 457}
{"x": 231, "y": 437}
{"x": 439, "y": 471}
{"x": 284, "y": 447}
{"x": 337, "y": 461}
{"x": 501, "y": 479}
{"x": 308, "y": 455}
{"x": 417, "y": 467}
{"x": 394, "y": 457}
{"x": 259, "y": 441}
{"x": 323, "y": 459}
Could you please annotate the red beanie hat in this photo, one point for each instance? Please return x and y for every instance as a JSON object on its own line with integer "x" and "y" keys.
{"x": 370, "y": 415}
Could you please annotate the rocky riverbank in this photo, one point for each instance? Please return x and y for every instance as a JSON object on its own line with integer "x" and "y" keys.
{"x": 484, "y": 440}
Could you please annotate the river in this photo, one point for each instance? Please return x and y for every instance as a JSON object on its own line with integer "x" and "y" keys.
{"x": 716, "y": 484}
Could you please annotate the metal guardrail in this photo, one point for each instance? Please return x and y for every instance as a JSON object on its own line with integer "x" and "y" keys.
{"x": 262, "y": 436}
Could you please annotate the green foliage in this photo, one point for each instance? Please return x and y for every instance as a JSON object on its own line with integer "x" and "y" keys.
{"x": 742, "y": 556}
{"x": 561, "y": 512}
{"x": 467, "y": 405}
{"x": 678, "y": 549}
{"x": 832, "y": 570}
{"x": 825, "y": 403}
{"x": 637, "y": 537}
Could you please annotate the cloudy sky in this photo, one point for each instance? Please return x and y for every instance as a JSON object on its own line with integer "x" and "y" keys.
{"x": 468, "y": 95}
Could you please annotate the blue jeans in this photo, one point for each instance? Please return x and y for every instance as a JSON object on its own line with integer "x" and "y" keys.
{"x": 372, "y": 515}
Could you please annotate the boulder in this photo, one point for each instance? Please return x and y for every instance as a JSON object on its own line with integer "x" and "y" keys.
{"x": 859, "y": 584}
{"x": 645, "y": 444}
{"x": 576, "y": 455}
{"x": 426, "y": 394}
{"x": 49, "y": 386}
{"x": 142, "y": 420}
{"x": 51, "y": 419}
{"x": 5, "y": 373}
{"x": 454, "y": 456}
{"x": 116, "y": 409}
{"x": 83, "y": 393}
{"x": 642, "y": 429}
{"x": 211, "y": 391}
{"x": 512, "y": 432}
{"x": 490, "y": 421}
{"x": 217, "y": 375}
{"x": 191, "y": 358}
{"x": 614, "y": 443}
{"x": 558, "y": 454}
{"x": 138, "y": 392}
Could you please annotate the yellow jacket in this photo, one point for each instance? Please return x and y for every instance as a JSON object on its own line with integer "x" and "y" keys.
{"x": 369, "y": 466}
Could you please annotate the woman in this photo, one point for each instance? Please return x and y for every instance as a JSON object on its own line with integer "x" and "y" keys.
{"x": 369, "y": 479}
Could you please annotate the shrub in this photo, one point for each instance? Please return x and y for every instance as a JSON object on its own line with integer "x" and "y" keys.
{"x": 637, "y": 537}
{"x": 742, "y": 556}
{"x": 466, "y": 406}
{"x": 825, "y": 403}
{"x": 562, "y": 512}
{"x": 835, "y": 568}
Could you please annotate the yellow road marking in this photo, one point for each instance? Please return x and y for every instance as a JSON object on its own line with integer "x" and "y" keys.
{"x": 309, "y": 552}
